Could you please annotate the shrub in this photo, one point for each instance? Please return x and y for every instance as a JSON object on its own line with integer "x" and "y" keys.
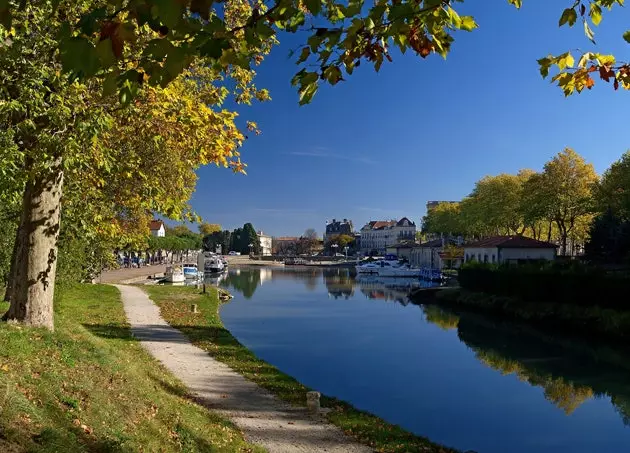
{"x": 568, "y": 283}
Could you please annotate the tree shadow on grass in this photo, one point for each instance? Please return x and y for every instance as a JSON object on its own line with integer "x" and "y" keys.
{"x": 148, "y": 332}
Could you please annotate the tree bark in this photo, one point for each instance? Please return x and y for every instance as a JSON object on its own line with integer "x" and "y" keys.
{"x": 33, "y": 282}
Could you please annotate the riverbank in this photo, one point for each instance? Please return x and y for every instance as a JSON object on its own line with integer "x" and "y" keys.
{"x": 206, "y": 331}
{"x": 582, "y": 320}
{"x": 90, "y": 386}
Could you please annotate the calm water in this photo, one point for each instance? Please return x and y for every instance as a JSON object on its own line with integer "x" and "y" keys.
{"x": 464, "y": 381}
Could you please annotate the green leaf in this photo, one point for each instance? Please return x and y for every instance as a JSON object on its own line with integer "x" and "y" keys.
{"x": 306, "y": 52}
{"x": 314, "y": 6}
{"x": 214, "y": 48}
{"x": 79, "y": 55}
{"x": 517, "y": 3}
{"x": 568, "y": 16}
{"x": 105, "y": 53}
{"x": 468, "y": 23}
{"x": 169, "y": 12}
{"x": 332, "y": 74}
{"x": 110, "y": 83}
{"x": 307, "y": 92}
{"x": 545, "y": 64}
{"x": 596, "y": 14}
{"x": 588, "y": 32}
{"x": 264, "y": 31}
{"x": 626, "y": 36}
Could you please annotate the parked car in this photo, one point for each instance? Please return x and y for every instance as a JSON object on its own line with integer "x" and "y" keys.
{"x": 233, "y": 253}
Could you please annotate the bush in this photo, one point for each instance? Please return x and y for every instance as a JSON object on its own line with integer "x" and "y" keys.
{"x": 567, "y": 283}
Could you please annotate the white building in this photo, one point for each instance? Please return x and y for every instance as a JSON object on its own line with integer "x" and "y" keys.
{"x": 377, "y": 235}
{"x": 437, "y": 254}
{"x": 265, "y": 243}
{"x": 509, "y": 249}
{"x": 157, "y": 228}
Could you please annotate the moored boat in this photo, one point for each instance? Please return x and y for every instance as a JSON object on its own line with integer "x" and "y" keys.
{"x": 174, "y": 274}
{"x": 213, "y": 265}
{"x": 191, "y": 271}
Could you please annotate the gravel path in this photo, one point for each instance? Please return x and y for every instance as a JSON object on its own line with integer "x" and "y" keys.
{"x": 264, "y": 419}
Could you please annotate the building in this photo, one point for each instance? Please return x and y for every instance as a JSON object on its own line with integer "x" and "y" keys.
{"x": 157, "y": 228}
{"x": 402, "y": 250}
{"x": 265, "y": 243}
{"x": 509, "y": 249}
{"x": 337, "y": 227}
{"x": 377, "y": 235}
{"x": 437, "y": 254}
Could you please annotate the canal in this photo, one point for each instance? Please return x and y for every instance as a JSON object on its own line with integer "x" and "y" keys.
{"x": 464, "y": 380}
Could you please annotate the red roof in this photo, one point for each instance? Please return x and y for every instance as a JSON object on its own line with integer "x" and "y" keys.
{"x": 378, "y": 224}
{"x": 511, "y": 242}
{"x": 155, "y": 225}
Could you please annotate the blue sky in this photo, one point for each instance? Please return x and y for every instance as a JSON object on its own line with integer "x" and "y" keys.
{"x": 381, "y": 144}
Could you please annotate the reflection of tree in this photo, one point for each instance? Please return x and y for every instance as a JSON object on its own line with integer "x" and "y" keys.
{"x": 568, "y": 376}
{"x": 444, "y": 319}
{"x": 246, "y": 281}
{"x": 622, "y": 406}
{"x": 339, "y": 283}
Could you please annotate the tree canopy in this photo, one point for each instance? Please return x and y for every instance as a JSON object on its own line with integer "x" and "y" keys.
{"x": 557, "y": 203}
{"x": 127, "y": 44}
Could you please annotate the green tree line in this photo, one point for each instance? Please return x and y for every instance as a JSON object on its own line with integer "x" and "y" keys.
{"x": 566, "y": 203}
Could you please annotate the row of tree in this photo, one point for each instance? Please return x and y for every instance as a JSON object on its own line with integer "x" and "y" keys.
{"x": 243, "y": 240}
{"x": 566, "y": 203}
{"x": 557, "y": 204}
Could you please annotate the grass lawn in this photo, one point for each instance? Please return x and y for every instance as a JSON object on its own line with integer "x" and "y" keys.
{"x": 206, "y": 330}
{"x": 90, "y": 387}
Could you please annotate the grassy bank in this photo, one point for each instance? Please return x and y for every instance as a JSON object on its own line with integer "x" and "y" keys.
{"x": 206, "y": 330}
{"x": 89, "y": 387}
{"x": 588, "y": 321}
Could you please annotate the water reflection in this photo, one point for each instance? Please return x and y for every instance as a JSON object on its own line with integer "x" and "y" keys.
{"x": 340, "y": 283}
{"x": 461, "y": 379}
{"x": 570, "y": 371}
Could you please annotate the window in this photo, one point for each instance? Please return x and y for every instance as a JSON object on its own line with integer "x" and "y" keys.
{"x": 479, "y": 257}
{"x": 485, "y": 258}
{"x": 493, "y": 258}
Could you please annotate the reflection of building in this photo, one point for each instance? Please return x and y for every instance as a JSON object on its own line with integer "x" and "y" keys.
{"x": 337, "y": 227}
{"x": 376, "y": 236}
{"x": 339, "y": 283}
{"x": 265, "y": 243}
{"x": 509, "y": 249}
{"x": 265, "y": 274}
{"x": 387, "y": 289}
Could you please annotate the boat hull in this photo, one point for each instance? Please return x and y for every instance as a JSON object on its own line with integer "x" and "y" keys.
{"x": 175, "y": 278}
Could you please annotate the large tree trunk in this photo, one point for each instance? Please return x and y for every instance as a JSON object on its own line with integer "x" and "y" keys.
{"x": 33, "y": 282}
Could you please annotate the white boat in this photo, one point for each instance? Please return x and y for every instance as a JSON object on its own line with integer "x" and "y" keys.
{"x": 174, "y": 274}
{"x": 398, "y": 270}
{"x": 368, "y": 268}
{"x": 191, "y": 271}
{"x": 213, "y": 265}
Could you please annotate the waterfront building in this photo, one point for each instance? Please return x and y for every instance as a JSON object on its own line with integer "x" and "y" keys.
{"x": 337, "y": 227}
{"x": 265, "y": 243}
{"x": 157, "y": 228}
{"x": 377, "y": 235}
{"x": 509, "y": 249}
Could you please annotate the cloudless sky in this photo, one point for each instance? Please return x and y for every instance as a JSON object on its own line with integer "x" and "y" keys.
{"x": 380, "y": 145}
